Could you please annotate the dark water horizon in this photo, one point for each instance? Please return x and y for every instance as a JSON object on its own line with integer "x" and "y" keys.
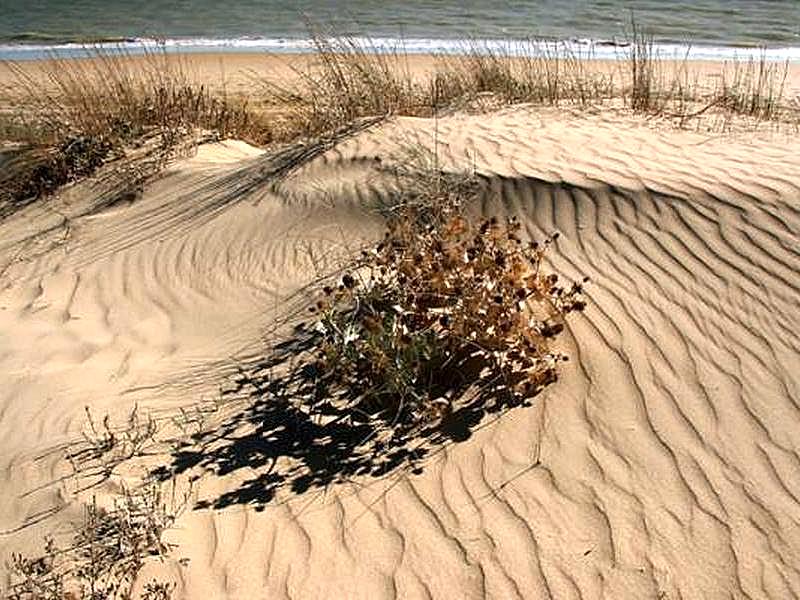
{"x": 708, "y": 28}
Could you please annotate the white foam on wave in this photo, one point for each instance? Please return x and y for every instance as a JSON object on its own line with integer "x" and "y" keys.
{"x": 583, "y": 48}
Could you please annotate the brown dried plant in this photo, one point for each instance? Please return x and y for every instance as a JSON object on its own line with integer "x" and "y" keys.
{"x": 104, "y": 446}
{"x": 441, "y": 305}
{"x": 104, "y": 554}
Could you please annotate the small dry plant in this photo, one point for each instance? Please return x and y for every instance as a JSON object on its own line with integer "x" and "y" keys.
{"x": 103, "y": 555}
{"x": 105, "y": 446}
{"x": 440, "y": 306}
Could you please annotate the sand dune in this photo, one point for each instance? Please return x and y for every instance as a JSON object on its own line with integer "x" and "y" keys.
{"x": 663, "y": 464}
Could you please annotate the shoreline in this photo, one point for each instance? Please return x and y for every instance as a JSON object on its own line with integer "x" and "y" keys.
{"x": 588, "y": 49}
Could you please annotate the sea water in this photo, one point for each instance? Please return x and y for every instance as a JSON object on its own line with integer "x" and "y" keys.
{"x": 699, "y": 29}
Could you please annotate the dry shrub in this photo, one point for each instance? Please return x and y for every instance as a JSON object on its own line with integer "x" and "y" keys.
{"x": 102, "y": 558}
{"x": 438, "y": 307}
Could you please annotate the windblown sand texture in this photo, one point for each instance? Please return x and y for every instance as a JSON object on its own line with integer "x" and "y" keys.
{"x": 663, "y": 464}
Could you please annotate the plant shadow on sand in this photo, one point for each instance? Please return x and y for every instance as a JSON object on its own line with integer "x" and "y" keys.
{"x": 291, "y": 435}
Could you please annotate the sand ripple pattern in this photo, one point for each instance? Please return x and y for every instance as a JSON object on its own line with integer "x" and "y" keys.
{"x": 664, "y": 464}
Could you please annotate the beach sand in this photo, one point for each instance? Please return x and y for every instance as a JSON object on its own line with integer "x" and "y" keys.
{"x": 663, "y": 463}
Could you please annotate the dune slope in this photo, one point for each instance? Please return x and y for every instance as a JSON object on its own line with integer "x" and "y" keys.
{"x": 663, "y": 464}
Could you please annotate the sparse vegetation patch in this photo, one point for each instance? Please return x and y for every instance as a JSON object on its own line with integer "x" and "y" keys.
{"x": 102, "y": 557}
{"x": 82, "y": 114}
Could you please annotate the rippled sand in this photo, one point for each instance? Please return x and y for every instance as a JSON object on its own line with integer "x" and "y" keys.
{"x": 663, "y": 464}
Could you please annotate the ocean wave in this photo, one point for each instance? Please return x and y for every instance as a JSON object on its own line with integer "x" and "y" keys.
{"x": 41, "y": 39}
{"x": 583, "y": 48}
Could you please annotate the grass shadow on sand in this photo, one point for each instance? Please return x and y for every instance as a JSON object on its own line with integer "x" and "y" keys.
{"x": 291, "y": 435}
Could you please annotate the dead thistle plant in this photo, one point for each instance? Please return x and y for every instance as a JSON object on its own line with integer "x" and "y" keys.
{"x": 440, "y": 305}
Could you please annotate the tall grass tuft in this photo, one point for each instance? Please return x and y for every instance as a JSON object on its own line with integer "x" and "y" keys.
{"x": 114, "y": 94}
{"x": 646, "y": 86}
{"x": 350, "y": 79}
{"x": 81, "y": 114}
{"x": 526, "y": 71}
{"x": 755, "y": 88}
